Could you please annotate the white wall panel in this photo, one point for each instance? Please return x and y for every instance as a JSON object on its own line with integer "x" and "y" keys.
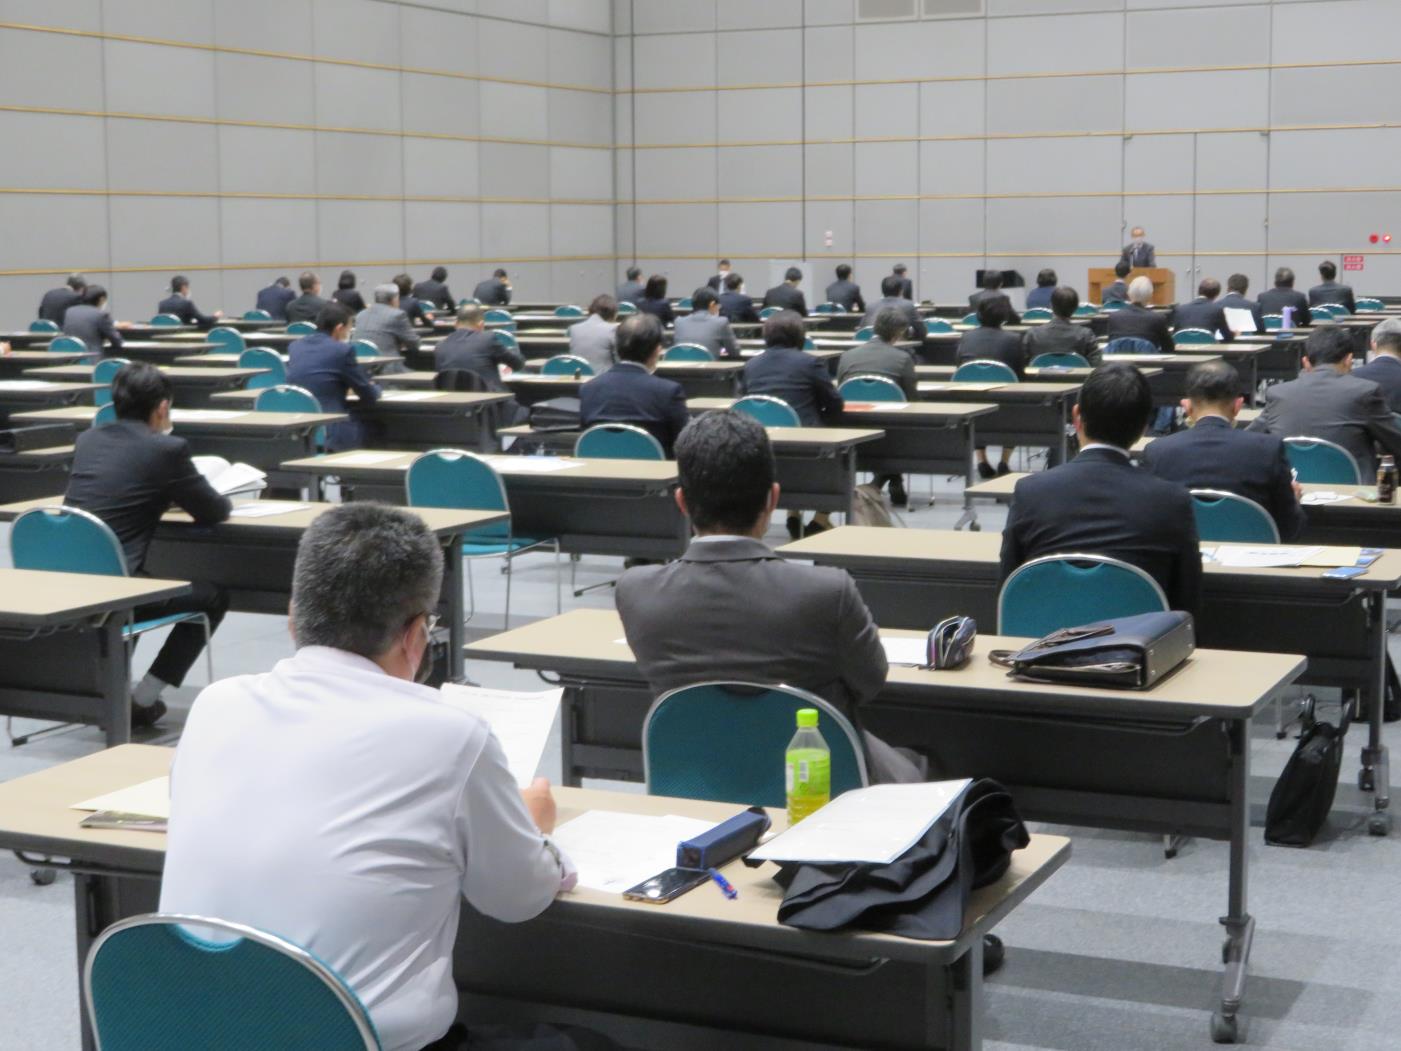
{"x": 681, "y": 60}
{"x": 268, "y": 90}
{"x": 951, "y": 226}
{"x": 155, "y": 155}
{"x": 38, "y": 167}
{"x": 758, "y": 14}
{"x": 676, "y": 174}
{"x": 436, "y": 230}
{"x": 580, "y": 59}
{"x": 515, "y": 111}
{"x": 62, "y": 233}
{"x": 250, "y": 23}
{"x": 774, "y": 115}
{"x": 884, "y": 168}
{"x": 1190, "y": 101}
{"x": 1056, "y": 44}
{"x": 952, "y": 167}
{"x": 359, "y": 231}
{"x": 667, "y": 229}
{"x": 953, "y": 108}
{"x": 513, "y": 50}
{"x": 1159, "y": 163}
{"x": 887, "y": 227}
{"x": 359, "y": 164}
{"x": 1054, "y": 165}
{"x": 436, "y": 40}
{"x": 580, "y": 229}
{"x": 769, "y": 56}
{"x": 351, "y": 97}
{"x": 1212, "y": 36}
{"x": 441, "y": 167}
{"x": 145, "y": 78}
{"x": 829, "y": 55}
{"x": 1077, "y": 104}
{"x": 266, "y": 160}
{"x": 886, "y": 110}
{"x": 828, "y": 113}
{"x": 829, "y": 170}
{"x": 581, "y": 174}
{"x": 440, "y": 105}
{"x": 170, "y": 232}
{"x": 681, "y": 118}
{"x": 1332, "y": 95}
{"x": 761, "y": 171}
{"x": 508, "y": 170}
{"x": 261, "y": 231}
{"x": 359, "y": 30}
{"x": 761, "y": 229}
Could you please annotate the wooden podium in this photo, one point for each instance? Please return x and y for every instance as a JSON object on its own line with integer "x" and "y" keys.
{"x": 1164, "y": 285}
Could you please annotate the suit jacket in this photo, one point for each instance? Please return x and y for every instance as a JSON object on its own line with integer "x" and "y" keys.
{"x": 1332, "y": 292}
{"x": 847, "y": 295}
{"x": 184, "y": 308}
{"x": 1341, "y": 408}
{"x": 659, "y": 308}
{"x": 274, "y": 299}
{"x": 1118, "y": 292}
{"x": 1214, "y": 454}
{"x": 479, "y": 352}
{"x": 435, "y": 293}
{"x": 1059, "y": 336}
{"x": 1385, "y": 371}
{"x": 92, "y": 326}
{"x": 1274, "y": 300}
{"x": 414, "y": 310}
{"x": 1201, "y": 313}
{"x": 1144, "y": 323}
{"x": 907, "y": 289}
{"x": 350, "y": 298}
{"x": 1100, "y": 504}
{"x": 56, "y": 302}
{"x": 738, "y": 307}
{"x": 994, "y": 344}
{"x": 628, "y": 393}
{"x": 915, "y": 323}
{"x": 881, "y": 359}
{"x": 306, "y": 307}
{"x": 1040, "y": 296}
{"x": 798, "y": 378}
{"x": 387, "y": 328}
{"x": 788, "y": 297}
{"x": 492, "y": 292}
{"x": 711, "y": 331}
{"x": 128, "y": 476}
{"x": 987, "y": 293}
{"x": 326, "y": 367}
{"x": 715, "y": 282}
{"x": 595, "y": 340}
{"x": 1141, "y": 254}
{"x": 1236, "y": 301}
{"x": 629, "y": 292}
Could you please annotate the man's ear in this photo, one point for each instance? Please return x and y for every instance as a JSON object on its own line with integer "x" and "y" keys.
{"x": 680, "y": 498}
{"x": 773, "y": 498}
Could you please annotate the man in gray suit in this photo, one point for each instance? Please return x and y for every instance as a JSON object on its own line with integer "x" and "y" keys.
{"x": 706, "y": 327}
{"x": 880, "y": 357}
{"x": 730, "y": 609}
{"x": 892, "y": 299}
{"x": 1139, "y": 252}
{"x": 90, "y": 322}
{"x": 1328, "y": 402}
{"x": 386, "y": 326}
{"x": 630, "y": 291}
{"x": 595, "y": 338}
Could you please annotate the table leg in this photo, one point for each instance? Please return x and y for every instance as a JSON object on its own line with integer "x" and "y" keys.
{"x": 1375, "y": 775}
{"x": 965, "y": 1017}
{"x": 112, "y": 674}
{"x": 568, "y": 707}
{"x": 1239, "y": 924}
{"x": 453, "y": 583}
{"x": 969, "y": 517}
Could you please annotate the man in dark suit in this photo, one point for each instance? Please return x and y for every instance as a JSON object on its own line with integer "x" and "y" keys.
{"x": 1234, "y": 299}
{"x": 788, "y": 296}
{"x": 324, "y": 364}
{"x": 879, "y": 356}
{"x": 845, "y": 292}
{"x": 275, "y": 297}
{"x": 891, "y": 299}
{"x": 989, "y": 342}
{"x": 90, "y": 322}
{"x": 1040, "y": 296}
{"x": 1215, "y": 454}
{"x": 409, "y": 303}
{"x": 1139, "y": 320}
{"x": 1061, "y": 335}
{"x": 1274, "y": 300}
{"x": 736, "y": 305}
{"x": 630, "y": 393}
{"x": 716, "y": 283}
{"x": 56, "y": 301}
{"x": 435, "y": 290}
{"x": 182, "y": 306}
{"x": 1204, "y": 312}
{"x": 470, "y": 347}
{"x": 1118, "y": 292}
{"x": 730, "y": 608}
{"x": 630, "y": 291}
{"x": 128, "y": 474}
{"x": 495, "y": 291}
{"x": 1101, "y": 504}
{"x": 1328, "y": 402}
{"x": 308, "y": 305}
{"x": 1139, "y": 252}
{"x": 992, "y": 286}
{"x": 1329, "y": 291}
{"x": 907, "y": 287}
{"x": 1384, "y": 368}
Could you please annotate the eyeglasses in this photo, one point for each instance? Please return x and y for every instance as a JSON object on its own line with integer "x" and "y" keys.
{"x": 430, "y": 623}
{"x": 950, "y": 643}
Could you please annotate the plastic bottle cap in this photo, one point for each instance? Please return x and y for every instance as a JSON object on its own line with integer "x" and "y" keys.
{"x": 807, "y": 717}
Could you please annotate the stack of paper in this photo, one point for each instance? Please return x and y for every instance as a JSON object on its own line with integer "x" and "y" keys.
{"x": 204, "y": 415}
{"x": 27, "y": 384}
{"x": 908, "y": 651}
{"x": 1318, "y": 498}
{"x": 231, "y": 479}
{"x": 266, "y": 509}
{"x": 1245, "y": 556}
{"x": 522, "y": 722}
{"x": 148, "y": 799}
{"x": 614, "y": 851}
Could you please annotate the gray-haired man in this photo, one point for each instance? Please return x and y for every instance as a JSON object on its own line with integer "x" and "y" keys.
{"x": 386, "y": 326}
{"x": 1384, "y": 366}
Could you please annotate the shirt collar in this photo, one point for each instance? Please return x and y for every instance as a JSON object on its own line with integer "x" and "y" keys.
{"x": 1204, "y": 417}
{"x": 1106, "y": 446}
{"x": 716, "y": 538}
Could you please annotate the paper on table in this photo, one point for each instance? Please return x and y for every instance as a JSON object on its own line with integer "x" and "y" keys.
{"x": 410, "y": 395}
{"x": 522, "y": 722}
{"x": 531, "y": 464}
{"x": 1314, "y": 499}
{"x": 27, "y": 384}
{"x": 230, "y": 478}
{"x": 962, "y": 386}
{"x": 265, "y": 509}
{"x": 1333, "y": 557}
{"x": 1239, "y": 320}
{"x": 874, "y": 825}
{"x": 196, "y": 415}
{"x": 616, "y": 851}
{"x": 366, "y": 458}
{"x": 912, "y": 652}
{"x": 876, "y": 406}
{"x": 148, "y": 799}
{"x": 1244, "y": 556}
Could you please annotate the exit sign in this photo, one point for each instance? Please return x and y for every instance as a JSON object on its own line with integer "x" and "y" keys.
{"x": 1353, "y": 262}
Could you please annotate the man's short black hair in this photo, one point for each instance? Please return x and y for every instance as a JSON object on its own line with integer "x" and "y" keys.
{"x": 733, "y": 281}
{"x": 498, "y": 273}
{"x": 992, "y": 280}
{"x": 1327, "y": 270}
{"x": 404, "y": 283}
{"x": 347, "y": 279}
{"x": 440, "y": 273}
{"x": 891, "y": 325}
{"x": 93, "y": 295}
{"x": 723, "y": 262}
{"x": 77, "y": 282}
{"x": 307, "y": 281}
{"x": 702, "y": 298}
{"x": 1284, "y": 277}
{"x": 179, "y": 283}
{"x": 634, "y": 272}
{"x": 605, "y": 306}
{"x": 138, "y": 389}
{"x": 726, "y": 467}
{"x": 1046, "y": 278}
{"x": 1214, "y": 383}
{"x": 899, "y": 268}
{"x": 638, "y": 338}
{"x": 283, "y": 282}
{"x": 784, "y": 329}
{"x": 843, "y": 272}
{"x": 1064, "y": 301}
{"x": 1115, "y": 404}
{"x": 1209, "y": 287}
{"x": 332, "y": 316}
{"x": 994, "y": 311}
{"x": 1238, "y": 283}
{"x": 1328, "y": 345}
{"x": 890, "y": 286}
{"x": 656, "y": 287}
{"x": 1122, "y": 269}
{"x": 792, "y": 274}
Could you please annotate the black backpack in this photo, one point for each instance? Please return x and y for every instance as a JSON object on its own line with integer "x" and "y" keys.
{"x": 1303, "y": 795}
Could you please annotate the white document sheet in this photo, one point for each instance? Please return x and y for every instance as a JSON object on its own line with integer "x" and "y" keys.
{"x": 148, "y": 799}
{"x": 522, "y": 722}
{"x": 410, "y": 395}
{"x": 1238, "y": 320}
{"x": 874, "y": 825}
{"x": 27, "y": 384}
{"x": 265, "y": 509}
{"x": 531, "y": 464}
{"x": 616, "y": 851}
{"x": 876, "y": 406}
{"x": 365, "y": 459}
{"x": 202, "y": 415}
{"x": 1244, "y": 556}
{"x": 1319, "y": 498}
{"x": 230, "y": 478}
{"x": 913, "y": 652}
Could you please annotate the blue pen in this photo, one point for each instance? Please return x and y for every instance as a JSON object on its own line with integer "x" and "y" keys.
{"x": 724, "y": 885}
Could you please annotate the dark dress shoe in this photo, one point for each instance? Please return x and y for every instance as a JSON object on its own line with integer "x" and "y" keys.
{"x": 795, "y": 527}
{"x": 144, "y": 716}
{"x": 898, "y": 496}
{"x": 986, "y": 471}
{"x": 813, "y": 528}
{"x": 994, "y": 954}
{"x": 1002, "y": 469}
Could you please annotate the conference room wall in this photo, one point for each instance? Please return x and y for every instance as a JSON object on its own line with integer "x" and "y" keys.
{"x": 377, "y": 135}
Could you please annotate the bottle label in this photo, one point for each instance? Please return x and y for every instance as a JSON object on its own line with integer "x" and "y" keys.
{"x": 788, "y": 777}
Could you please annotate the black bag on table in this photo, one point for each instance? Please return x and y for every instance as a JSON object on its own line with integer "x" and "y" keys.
{"x": 1303, "y": 795}
{"x": 38, "y": 436}
{"x": 555, "y": 414}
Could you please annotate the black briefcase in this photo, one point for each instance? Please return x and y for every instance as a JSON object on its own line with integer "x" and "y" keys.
{"x": 1123, "y": 653}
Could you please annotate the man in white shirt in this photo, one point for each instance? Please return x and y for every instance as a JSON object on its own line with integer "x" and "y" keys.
{"x": 339, "y": 804}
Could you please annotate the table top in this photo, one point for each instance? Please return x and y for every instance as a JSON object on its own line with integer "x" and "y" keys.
{"x": 194, "y": 420}
{"x": 1067, "y": 374}
{"x": 172, "y": 346}
{"x": 884, "y": 412}
{"x": 397, "y": 463}
{"x": 179, "y": 373}
{"x": 397, "y": 401}
{"x": 27, "y": 358}
{"x": 38, "y": 598}
{"x": 50, "y": 388}
{"x": 1001, "y": 392}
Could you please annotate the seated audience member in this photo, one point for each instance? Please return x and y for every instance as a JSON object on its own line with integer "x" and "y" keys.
{"x": 180, "y": 305}
{"x": 495, "y": 291}
{"x": 891, "y": 299}
{"x": 594, "y": 339}
{"x": 1329, "y": 291}
{"x": 1204, "y": 312}
{"x": 277, "y": 822}
{"x": 1118, "y": 292}
{"x": 706, "y": 327}
{"x": 274, "y": 299}
{"x": 1061, "y": 335}
{"x": 716, "y": 282}
{"x": 56, "y": 301}
{"x": 386, "y": 326}
{"x": 1140, "y": 320}
{"x": 409, "y": 303}
{"x": 1101, "y": 504}
{"x": 1234, "y": 299}
{"x": 323, "y": 363}
{"x": 1040, "y": 296}
{"x": 1215, "y": 454}
{"x": 347, "y": 295}
{"x": 435, "y": 291}
{"x": 1384, "y": 367}
{"x": 735, "y": 304}
{"x": 1274, "y": 300}
{"x": 788, "y": 296}
{"x": 1327, "y": 401}
{"x": 730, "y": 608}
{"x": 845, "y": 292}
{"x": 879, "y": 356}
{"x": 308, "y": 305}
{"x": 128, "y": 474}
{"x": 655, "y": 302}
{"x": 992, "y": 286}
{"x": 988, "y": 342}
{"x": 630, "y": 291}
{"x": 629, "y": 393}
{"x": 90, "y": 322}
{"x": 907, "y": 287}
{"x": 473, "y": 348}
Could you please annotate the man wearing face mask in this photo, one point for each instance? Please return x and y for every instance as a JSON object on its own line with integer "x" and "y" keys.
{"x": 128, "y": 473}
{"x": 338, "y": 803}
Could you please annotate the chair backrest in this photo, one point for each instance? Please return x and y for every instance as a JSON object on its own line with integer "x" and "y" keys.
{"x": 365, "y": 349}
{"x": 106, "y": 370}
{"x": 301, "y": 328}
{"x": 1113, "y": 304}
{"x": 1319, "y": 460}
{"x": 465, "y": 301}
{"x": 1062, "y": 591}
{"x": 687, "y": 352}
{"x": 459, "y": 380}
{"x": 1131, "y": 345}
{"x": 1370, "y": 303}
{"x": 263, "y": 358}
{"x": 626, "y": 309}
{"x": 971, "y": 318}
{"x": 1191, "y": 336}
{"x": 43, "y": 325}
{"x": 65, "y": 540}
{"x": 1086, "y": 310}
{"x": 568, "y": 310}
{"x": 984, "y": 370}
{"x": 725, "y": 741}
{"x": 459, "y": 479}
{"x": 68, "y": 345}
{"x": 1336, "y": 309}
{"x": 768, "y": 312}
{"x": 864, "y": 333}
{"x": 505, "y": 338}
{"x": 831, "y": 308}
{"x": 229, "y": 340}
{"x": 1320, "y": 313}
{"x": 768, "y": 410}
{"x": 256, "y": 315}
{"x": 871, "y": 388}
{"x": 153, "y": 982}
{"x": 105, "y": 414}
{"x": 618, "y": 441}
{"x": 936, "y": 324}
{"x": 566, "y": 365}
{"x": 497, "y": 314}
{"x": 686, "y": 303}
{"x": 809, "y": 343}
{"x": 1032, "y": 313}
{"x": 284, "y": 397}
{"x": 1067, "y": 359}
{"x": 1273, "y": 321}
{"x": 166, "y": 319}
{"x": 1227, "y": 516}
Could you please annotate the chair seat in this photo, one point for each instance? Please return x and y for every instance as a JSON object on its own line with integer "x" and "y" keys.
{"x": 484, "y": 548}
{"x": 158, "y": 622}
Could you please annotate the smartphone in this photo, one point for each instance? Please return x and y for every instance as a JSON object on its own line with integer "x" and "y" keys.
{"x": 664, "y": 886}
{"x": 1345, "y": 572}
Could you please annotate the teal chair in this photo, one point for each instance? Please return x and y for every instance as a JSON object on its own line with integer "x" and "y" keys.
{"x": 256, "y": 315}
{"x": 365, "y": 350}
{"x": 105, "y": 371}
{"x": 43, "y": 326}
{"x": 283, "y": 397}
{"x": 871, "y": 388}
{"x": 724, "y": 742}
{"x": 1037, "y": 313}
{"x": 768, "y": 410}
{"x": 227, "y": 340}
{"x": 936, "y": 324}
{"x": 301, "y": 328}
{"x": 809, "y": 343}
{"x": 618, "y": 441}
{"x": 1064, "y": 360}
{"x": 971, "y": 319}
{"x": 627, "y": 309}
{"x": 1130, "y": 345}
{"x": 1320, "y": 314}
{"x": 1231, "y": 518}
{"x": 685, "y": 303}
{"x": 498, "y": 315}
{"x": 1273, "y": 322}
{"x": 1113, "y": 305}
{"x": 506, "y": 339}
{"x": 458, "y": 479}
{"x": 105, "y": 414}
{"x": 569, "y": 310}
{"x": 566, "y": 365}
{"x": 768, "y": 312}
{"x": 864, "y": 334}
{"x": 687, "y": 352}
{"x": 1086, "y": 310}
{"x": 984, "y": 370}
{"x": 1063, "y": 591}
{"x": 1190, "y": 337}
{"x": 1319, "y": 460}
{"x": 166, "y": 319}
{"x": 167, "y": 982}
{"x": 829, "y": 308}
{"x": 1370, "y": 303}
{"x": 275, "y": 369}
{"x": 68, "y": 345}
{"x": 467, "y": 301}
{"x": 1337, "y": 309}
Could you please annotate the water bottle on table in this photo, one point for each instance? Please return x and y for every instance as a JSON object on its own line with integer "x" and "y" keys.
{"x": 808, "y": 765}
